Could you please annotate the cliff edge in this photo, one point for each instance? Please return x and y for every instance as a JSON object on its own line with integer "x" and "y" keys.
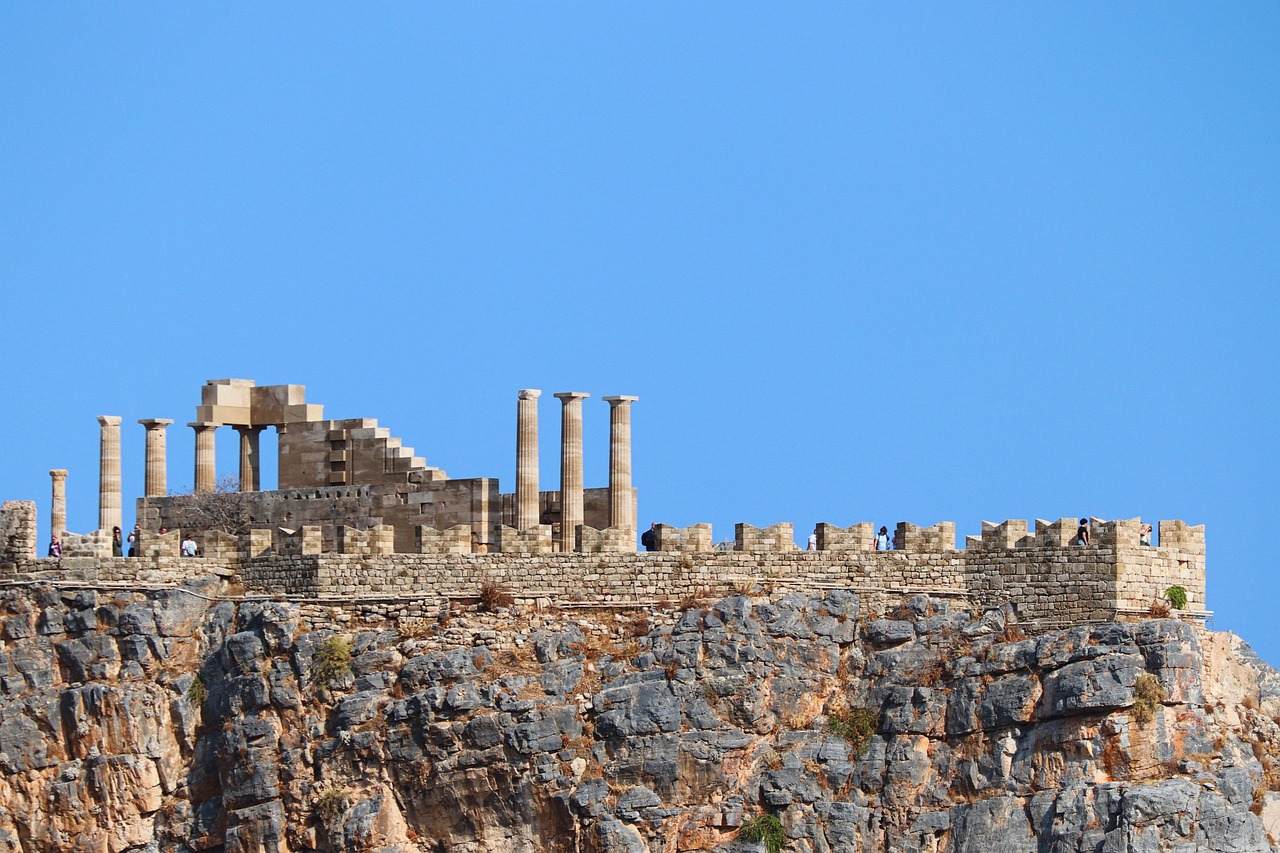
{"x": 189, "y": 719}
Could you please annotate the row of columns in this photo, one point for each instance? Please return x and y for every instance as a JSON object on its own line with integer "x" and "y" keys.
{"x": 621, "y": 504}
{"x": 156, "y": 475}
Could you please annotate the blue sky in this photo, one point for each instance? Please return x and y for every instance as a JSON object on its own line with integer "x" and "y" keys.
{"x": 860, "y": 263}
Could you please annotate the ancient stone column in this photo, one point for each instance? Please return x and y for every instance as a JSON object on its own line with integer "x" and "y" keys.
{"x": 156, "y": 479}
{"x": 250, "y": 458}
{"x": 622, "y": 508}
{"x": 527, "y": 514}
{"x": 206, "y": 469}
{"x": 109, "y": 472}
{"x": 58, "y": 509}
{"x": 570, "y": 466}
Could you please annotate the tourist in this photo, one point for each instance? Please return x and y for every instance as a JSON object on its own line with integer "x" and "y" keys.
{"x": 117, "y": 547}
{"x": 883, "y": 542}
{"x": 135, "y": 537}
{"x": 1144, "y": 535}
{"x": 55, "y": 547}
{"x": 1082, "y": 533}
{"x": 813, "y": 542}
{"x": 649, "y": 539}
{"x": 188, "y": 547}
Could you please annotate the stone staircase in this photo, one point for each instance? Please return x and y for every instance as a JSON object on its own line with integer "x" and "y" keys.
{"x": 361, "y": 451}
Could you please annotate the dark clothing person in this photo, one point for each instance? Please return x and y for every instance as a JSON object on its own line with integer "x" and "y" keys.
{"x": 55, "y": 548}
{"x": 117, "y": 547}
{"x": 649, "y": 539}
{"x": 1082, "y": 533}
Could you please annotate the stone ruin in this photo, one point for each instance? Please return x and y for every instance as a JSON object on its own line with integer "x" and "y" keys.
{"x": 356, "y": 512}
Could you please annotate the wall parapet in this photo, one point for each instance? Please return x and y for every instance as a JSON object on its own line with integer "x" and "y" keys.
{"x": 855, "y": 537}
{"x": 936, "y": 537}
{"x": 17, "y": 531}
{"x": 611, "y": 540}
{"x": 532, "y": 540}
{"x": 694, "y": 538}
{"x": 775, "y": 537}
{"x": 451, "y": 540}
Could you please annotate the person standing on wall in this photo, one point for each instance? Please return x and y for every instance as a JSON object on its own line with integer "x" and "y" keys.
{"x": 1082, "y": 533}
{"x": 117, "y": 546}
{"x": 649, "y": 539}
{"x": 883, "y": 543}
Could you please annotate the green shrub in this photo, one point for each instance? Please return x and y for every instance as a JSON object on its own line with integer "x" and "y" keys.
{"x": 856, "y": 725}
{"x": 1177, "y": 596}
{"x": 196, "y": 691}
{"x": 1147, "y": 696}
{"x": 766, "y": 828}
{"x": 332, "y": 662}
{"x": 331, "y": 804}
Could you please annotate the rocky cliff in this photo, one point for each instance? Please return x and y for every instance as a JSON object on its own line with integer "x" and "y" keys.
{"x": 180, "y": 720}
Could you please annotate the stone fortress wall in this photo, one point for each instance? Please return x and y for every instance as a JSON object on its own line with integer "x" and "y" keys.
{"x": 1041, "y": 573}
{"x": 358, "y": 515}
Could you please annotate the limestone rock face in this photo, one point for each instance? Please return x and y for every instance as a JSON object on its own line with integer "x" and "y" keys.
{"x": 182, "y": 720}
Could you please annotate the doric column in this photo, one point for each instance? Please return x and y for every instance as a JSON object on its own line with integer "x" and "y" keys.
{"x": 527, "y": 514}
{"x": 206, "y": 467}
{"x": 156, "y": 479}
{"x": 58, "y": 509}
{"x": 250, "y": 458}
{"x": 109, "y": 472}
{"x": 622, "y": 508}
{"x": 570, "y": 466}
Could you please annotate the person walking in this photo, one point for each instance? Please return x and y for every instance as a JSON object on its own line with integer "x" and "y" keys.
{"x": 813, "y": 542}
{"x": 1082, "y": 533}
{"x": 883, "y": 542}
{"x": 117, "y": 547}
{"x": 55, "y": 548}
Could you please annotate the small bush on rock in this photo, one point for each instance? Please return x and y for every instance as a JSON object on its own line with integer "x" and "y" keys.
{"x": 1177, "y": 596}
{"x": 331, "y": 804}
{"x": 332, "y": 662}
{"x": 766, "y": 828}
{"x": 1148, "y": 694}
{"x": 196, "y": 692}
{"x": 856, "y": 725}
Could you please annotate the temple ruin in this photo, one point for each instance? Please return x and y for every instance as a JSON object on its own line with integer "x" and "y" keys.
{"x": 358, "y": 516}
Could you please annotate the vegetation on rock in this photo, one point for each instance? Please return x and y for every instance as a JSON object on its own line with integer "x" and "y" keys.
{"x": 1148, "y": 694}
{"x": 856, "y": 725}
{"x": 332, "y": 662}
{"x": 766, "y": 828}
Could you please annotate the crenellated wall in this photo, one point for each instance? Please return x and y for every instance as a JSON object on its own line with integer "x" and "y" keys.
{"x": 17, "y": 531}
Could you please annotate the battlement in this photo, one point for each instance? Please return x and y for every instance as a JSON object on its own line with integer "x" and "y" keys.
{"x": 1046, "y": 581}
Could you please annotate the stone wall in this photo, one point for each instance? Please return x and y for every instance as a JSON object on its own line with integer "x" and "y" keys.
{"x": 17, "y": 531}
{"x": 439, "y": 504}
{"x": 1060, "y": 585}
{"x": 134, "y": 570}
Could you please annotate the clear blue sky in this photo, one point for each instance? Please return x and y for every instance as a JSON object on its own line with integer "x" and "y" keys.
{"x": 859, "y": 263}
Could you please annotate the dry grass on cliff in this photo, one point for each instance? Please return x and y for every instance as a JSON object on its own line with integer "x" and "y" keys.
{"x": 1148, "y": 694}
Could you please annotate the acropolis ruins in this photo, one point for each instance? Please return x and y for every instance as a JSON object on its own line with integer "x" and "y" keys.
{"x": 358, "y": 514}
